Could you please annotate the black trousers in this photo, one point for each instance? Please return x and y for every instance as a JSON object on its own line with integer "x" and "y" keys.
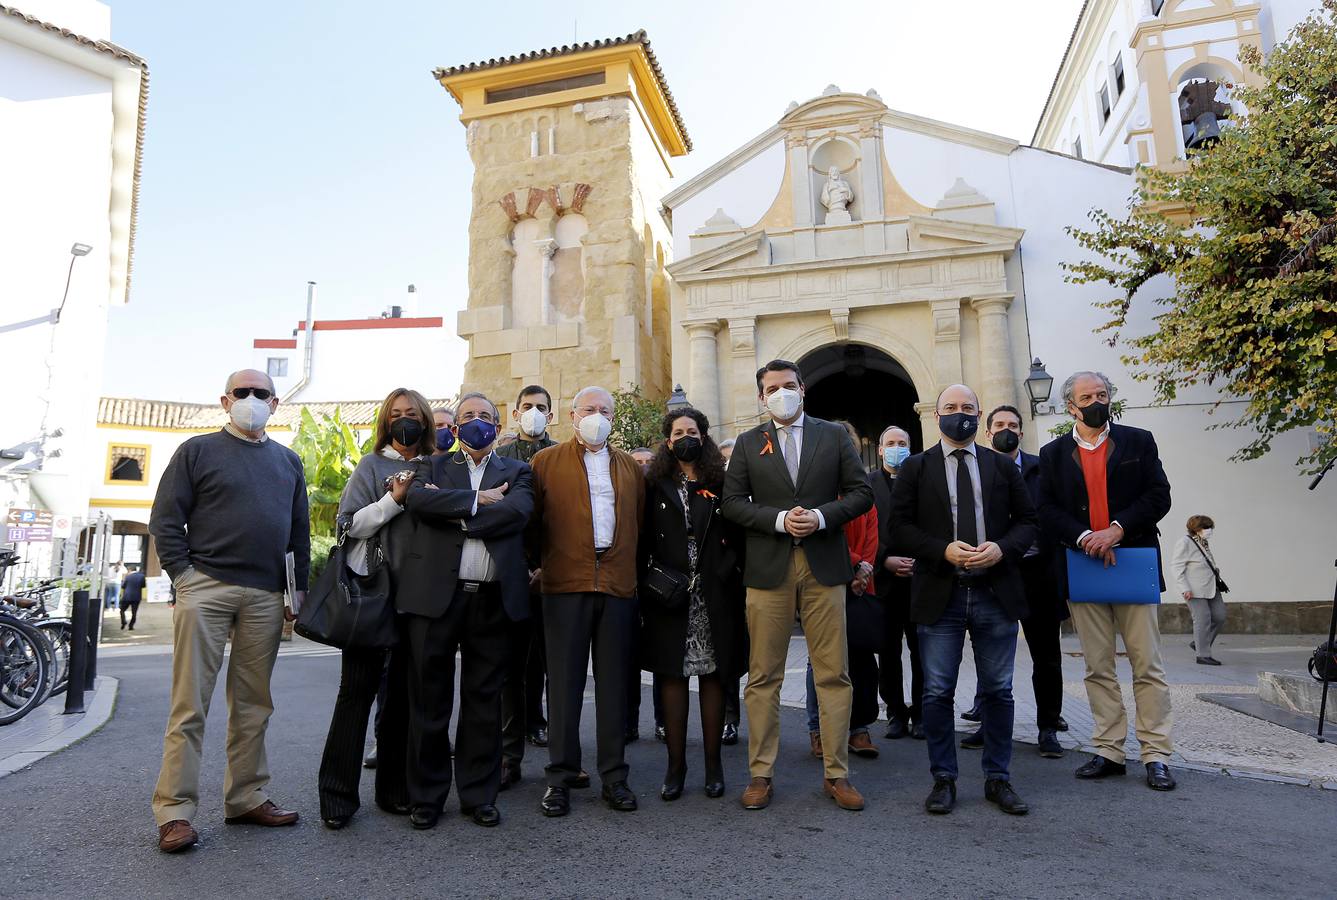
{"x": 865, "y": 680}
{"x": 1041, "y": 628}
{"x": 361, "y": 676}
{"x": 526, "y": 681}
{"x": 898, "y": 628}
{"x": 133, "y": 606}
{"x": 573, "y": 625}
{"x": 476, "y": 625}
{"x": 634, "y": 699}
{"x": 732, "y": 704}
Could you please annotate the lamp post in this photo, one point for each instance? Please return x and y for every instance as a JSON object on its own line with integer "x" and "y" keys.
{"x": 1039, "y": 385}
{"x": 77, "y": 250}
{"x": 678, "y": 399}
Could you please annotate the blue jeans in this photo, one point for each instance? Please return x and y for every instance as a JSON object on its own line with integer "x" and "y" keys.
{"x": 993, "y": 635}
{"x": 814, "y": 713}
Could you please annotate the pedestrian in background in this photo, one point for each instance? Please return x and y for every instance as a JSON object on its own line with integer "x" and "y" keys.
{"x": 111, "y": 591}
{"x": 132, "y": 592}
{"x": 1199, "y": 581}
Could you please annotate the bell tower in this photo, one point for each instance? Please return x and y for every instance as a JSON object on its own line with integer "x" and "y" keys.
{"x": 572, "y": 149}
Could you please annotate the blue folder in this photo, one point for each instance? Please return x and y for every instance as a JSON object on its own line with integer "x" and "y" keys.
{"x": 1134, "y": 577}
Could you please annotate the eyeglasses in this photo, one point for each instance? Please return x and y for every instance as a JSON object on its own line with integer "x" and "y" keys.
{"x": 243, "y": 393}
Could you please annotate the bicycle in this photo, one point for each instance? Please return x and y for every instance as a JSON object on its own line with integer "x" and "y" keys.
{"x": 24, "y": 671}
{"x": 29, "y": 607}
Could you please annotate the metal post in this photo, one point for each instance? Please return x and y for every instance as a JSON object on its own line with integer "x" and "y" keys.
{"x": 1327, "y": 675}
{"x": 74, "y": 692}
{"x": 94, "y": 605}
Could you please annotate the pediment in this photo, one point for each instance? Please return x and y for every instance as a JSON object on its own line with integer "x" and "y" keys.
{"x": 746, "y": 251}
{"x": 833, "y": 105}
{"x": 936, "y": 233}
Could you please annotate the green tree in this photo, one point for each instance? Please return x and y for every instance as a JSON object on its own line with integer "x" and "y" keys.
{"x": 329, "y": 451}
{"x": 1247, "y": 230}
{"x": 636, "y": 419}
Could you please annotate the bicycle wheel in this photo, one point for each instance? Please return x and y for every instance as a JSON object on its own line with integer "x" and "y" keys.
{"x": 24, "y": 675}
{"x": 57, "y": 632}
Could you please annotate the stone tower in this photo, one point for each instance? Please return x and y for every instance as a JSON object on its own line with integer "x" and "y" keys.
{"x": 567, "y": 243}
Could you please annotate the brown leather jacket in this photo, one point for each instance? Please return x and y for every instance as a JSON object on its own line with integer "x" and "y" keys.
{"x": 563, "y": 522}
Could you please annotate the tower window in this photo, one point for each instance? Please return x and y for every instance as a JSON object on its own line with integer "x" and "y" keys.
{"x": 544, "y": 87}
{"x": 1104, "y": 103}
{"x": 127, "y": 464}
{"x": 1118, "y": 76}
{"x": 277, "y": 367}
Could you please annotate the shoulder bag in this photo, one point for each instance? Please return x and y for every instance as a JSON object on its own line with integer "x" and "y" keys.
{"x": 347, "y": 610}
{"x": 1221, "y": 586}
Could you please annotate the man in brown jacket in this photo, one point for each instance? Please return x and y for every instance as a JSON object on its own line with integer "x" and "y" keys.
{"x": 588, "y": 500}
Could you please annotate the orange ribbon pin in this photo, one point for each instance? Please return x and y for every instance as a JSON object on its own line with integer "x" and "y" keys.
{"x": 769, "y": 448}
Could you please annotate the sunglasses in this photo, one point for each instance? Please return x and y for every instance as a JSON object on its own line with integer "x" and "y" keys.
{"x": 243, "y": 393}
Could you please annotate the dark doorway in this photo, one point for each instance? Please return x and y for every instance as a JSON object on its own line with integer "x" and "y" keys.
{"x": 864, "y": 386}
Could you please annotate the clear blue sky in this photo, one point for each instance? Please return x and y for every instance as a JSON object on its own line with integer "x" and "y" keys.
{"x": 294, "y": 141}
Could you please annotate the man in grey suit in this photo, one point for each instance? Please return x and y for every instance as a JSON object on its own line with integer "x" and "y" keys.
{"x": 793, "y": 483}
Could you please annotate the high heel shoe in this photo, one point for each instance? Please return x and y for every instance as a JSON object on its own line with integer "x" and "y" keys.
{"x": 715, "y": 781}
{"x": 672, "y": 788}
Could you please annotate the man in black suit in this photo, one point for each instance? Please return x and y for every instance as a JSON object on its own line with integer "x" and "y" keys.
{"x": 963, "y": 513}
{"x": 132, "y": 592}
{"x": 1102, "y": 486}
{"x": 793, "y": 483}
{"x": 463, "y": 583}
{"x": 891, "y": 585}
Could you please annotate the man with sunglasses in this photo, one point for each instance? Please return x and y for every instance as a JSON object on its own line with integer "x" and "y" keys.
{"x": 229, "y": 506}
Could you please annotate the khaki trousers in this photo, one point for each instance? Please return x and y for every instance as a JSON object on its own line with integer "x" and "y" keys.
{"x": 206, "y": 611}
{"x": 1097, "y": 624}
{"x": 770, "y": 622}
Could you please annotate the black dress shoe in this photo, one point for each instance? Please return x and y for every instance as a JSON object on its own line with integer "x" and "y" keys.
{"x": 1100, "y": 767}
{"x": 578, "y": 781}
{"x": 631, "y": 735}
{"x": 973, "y": 741}
{"x": 618, "y": 796}
{"x": 538, "y": 737}
{"x": 672, "y": 787}
{"x": 942, "y": 798}
{"x": 510, "y": 774}
{"x": 1060, "y": 724}
{"x": 1048, "y": 743}
{"x": 730, "y": 736}
{"x": 1208, "y": 661}
{"x": 424, "y": 817}
{"x": 334, "y": 823}
{"x": 484, "y": 814}
{"x": 917, "y": 731}
{"x": 556, "y": 802}
{"x": 393, "y": 808}
{"x": 661, "y": 734}
{"x": 972, "y": 714}
{"x": 1000, "y": 793}
{"x": 896, "y": 729}
{"x": 1159, "y": 777}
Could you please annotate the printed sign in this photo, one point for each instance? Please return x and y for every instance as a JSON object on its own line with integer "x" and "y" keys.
{"x": 62, "y": 527}
{"x": 28, "y": 525}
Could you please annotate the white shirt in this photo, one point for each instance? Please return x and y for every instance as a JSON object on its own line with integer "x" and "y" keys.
{"x": 796, "y": 428}
{"x": 973, "y": 467}
{"x": 602, "y": 498}
{"x": 476, "y": 564}
{"x": 1092, "y": 445}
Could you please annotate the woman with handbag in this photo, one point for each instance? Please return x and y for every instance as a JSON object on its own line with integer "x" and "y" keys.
{"x": 377, "y": 533}
{"x": 1200, "y": 584}
{"x": 691, "y": 591}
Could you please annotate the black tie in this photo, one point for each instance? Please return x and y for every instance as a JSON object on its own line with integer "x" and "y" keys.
{"x": 965, "y": 500}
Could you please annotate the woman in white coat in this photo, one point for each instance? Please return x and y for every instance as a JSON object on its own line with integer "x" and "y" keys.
{"x": 1196, "y": 573}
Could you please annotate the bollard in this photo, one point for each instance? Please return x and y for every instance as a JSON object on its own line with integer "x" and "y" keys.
{"x": 94, "y": 634}
{"x": 74, "y": 691}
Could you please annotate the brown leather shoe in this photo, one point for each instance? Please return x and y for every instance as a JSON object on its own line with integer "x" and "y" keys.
{"x": 266, "y": 814}
{"x": 862, "y": 745}
{"x": 176, "y": 835}
{"x": 758, "y": 794}
{"x": 815, "y": 742}
{"x": 843, "y": 793}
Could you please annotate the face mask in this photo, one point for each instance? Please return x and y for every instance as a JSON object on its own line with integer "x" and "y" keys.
{"x": 477, "y": 434}
{"x": 784, "y": 403}
{"x": 594, "y": 429}
{"x": 249, "y": 413}
{"x": 1095, "y": 415}
{"x": 1207, "y": 533}
{"x": 687, "y": 449}
{"x": 406, "y": 432}
{"x": 533, "y": 422}
{"x": 895, "y": 457}
{"x": 960, "y": 427}
{"x": 1005, "y": 441}
{"x": 445, "y": 438}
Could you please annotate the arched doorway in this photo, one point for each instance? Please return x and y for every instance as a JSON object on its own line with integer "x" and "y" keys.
{"x": 865, "y": 386}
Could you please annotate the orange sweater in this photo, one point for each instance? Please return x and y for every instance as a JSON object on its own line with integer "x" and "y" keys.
{"x": 861, "y": 536}
{"x": 1097, "y": 494}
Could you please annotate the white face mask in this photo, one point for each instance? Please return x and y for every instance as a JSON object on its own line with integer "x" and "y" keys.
{"x": 594, "y": 429}
{"x": 784, "y": 404}
{"x": 534, "y": 422}
{"x": 1207, "y": 533}
{"x": 249, "y": 413}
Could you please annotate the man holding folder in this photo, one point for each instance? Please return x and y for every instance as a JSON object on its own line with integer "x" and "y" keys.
{"x": 1102, "y": 487}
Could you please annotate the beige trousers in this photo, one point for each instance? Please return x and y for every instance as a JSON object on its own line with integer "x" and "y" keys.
{"x": 770, "y": 622}
{"x": 1097, "y": 624}
{"x": 206, "y": 611}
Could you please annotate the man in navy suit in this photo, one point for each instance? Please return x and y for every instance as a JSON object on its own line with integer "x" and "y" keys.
{"x": 464, "y": 581}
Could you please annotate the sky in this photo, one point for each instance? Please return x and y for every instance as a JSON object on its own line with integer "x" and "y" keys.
{"x": 307, "y": 141}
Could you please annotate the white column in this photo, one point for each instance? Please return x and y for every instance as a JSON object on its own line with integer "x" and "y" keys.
{"x": 704, "y": 389}
{"x": 996, "y": 383}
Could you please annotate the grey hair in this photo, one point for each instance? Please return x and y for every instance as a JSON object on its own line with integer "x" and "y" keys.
{"x": 445, "y": 409}
{"x": 589, "y": 390}
{"x": 1072, "y": 379}
{"x": 883, "y": 435}
{"x": 479, "y": 395}
{"x": 726, "y": 443}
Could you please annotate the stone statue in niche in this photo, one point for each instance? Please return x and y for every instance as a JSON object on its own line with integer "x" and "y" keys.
{"x": 836, "y": 197}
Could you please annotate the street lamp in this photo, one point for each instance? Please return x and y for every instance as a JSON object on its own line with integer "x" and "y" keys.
{"x": 76, "y": 250}
{"x": 1039, "y": 384}
{"x": 678, "y": 399}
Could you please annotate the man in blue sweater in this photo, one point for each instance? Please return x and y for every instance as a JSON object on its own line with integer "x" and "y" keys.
{"x": 229, "y": 506}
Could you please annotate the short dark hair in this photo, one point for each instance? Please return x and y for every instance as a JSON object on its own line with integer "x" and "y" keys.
{"x": 1197, "y": 523}
{"x": 779, "y": 365}
{"x": 988, "y": 422}
{"x": 479, "y": 395}
{"x": 533, "y": 389}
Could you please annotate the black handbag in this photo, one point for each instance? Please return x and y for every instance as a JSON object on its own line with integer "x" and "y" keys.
{"x": 348, "y": 610}
{"x": 1323, "y": 664}
{"x": 1221, "y": 586}
{"x": 667, "y": 587}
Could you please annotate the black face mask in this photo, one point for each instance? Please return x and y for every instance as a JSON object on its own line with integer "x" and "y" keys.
{"x": 1095, "y": 415}
{"x": 1005, "y": 441}
{"x": 687, "y": 449}
{"x": 406, "y": 432}
{"x": 960, "y": 427}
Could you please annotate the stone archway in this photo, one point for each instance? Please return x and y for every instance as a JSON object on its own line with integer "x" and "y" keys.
{"x": 864, "y": 385}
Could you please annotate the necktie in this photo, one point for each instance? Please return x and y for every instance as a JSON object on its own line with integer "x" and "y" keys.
{"x": 965, "y": 500}
{"x": 791, "y": 453}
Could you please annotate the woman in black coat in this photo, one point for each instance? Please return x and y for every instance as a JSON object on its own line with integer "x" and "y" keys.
{"x": 704, "y": 633}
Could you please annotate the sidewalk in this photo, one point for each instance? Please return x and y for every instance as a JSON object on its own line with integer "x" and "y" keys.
{"x": 47, "y": 729}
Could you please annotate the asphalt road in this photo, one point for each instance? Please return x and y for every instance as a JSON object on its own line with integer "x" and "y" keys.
{"x": 79, "y": 823}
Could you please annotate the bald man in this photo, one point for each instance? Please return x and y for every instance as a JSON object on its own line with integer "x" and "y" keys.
{"x": 229, "y": 506}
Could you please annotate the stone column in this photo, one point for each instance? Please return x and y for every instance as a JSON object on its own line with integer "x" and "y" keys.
{"x": 742, "y": 368}
{"x": 928, "y": 423}
{"x": 703, "y": 355}
{"x": 995, "y": 387}
{"x": 946, "y": 342}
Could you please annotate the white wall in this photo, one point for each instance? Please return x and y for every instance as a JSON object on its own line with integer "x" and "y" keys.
{"x": 746, "y": 194}
{"x": 366, "y": 364}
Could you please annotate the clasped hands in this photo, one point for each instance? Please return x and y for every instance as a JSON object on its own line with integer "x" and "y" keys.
{"x": 800, "y": 522}
{"x": 964, "y": 556}
{"x": 1101, "y": 544}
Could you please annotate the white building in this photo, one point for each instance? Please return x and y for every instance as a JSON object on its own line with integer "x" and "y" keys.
{"x": 72, "y": 108}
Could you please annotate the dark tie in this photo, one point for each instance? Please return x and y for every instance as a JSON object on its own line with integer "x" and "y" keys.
{"x": 965, "y": 500}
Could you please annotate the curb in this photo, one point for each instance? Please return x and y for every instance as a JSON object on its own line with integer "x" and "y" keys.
{"x": 81, "y": 726}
